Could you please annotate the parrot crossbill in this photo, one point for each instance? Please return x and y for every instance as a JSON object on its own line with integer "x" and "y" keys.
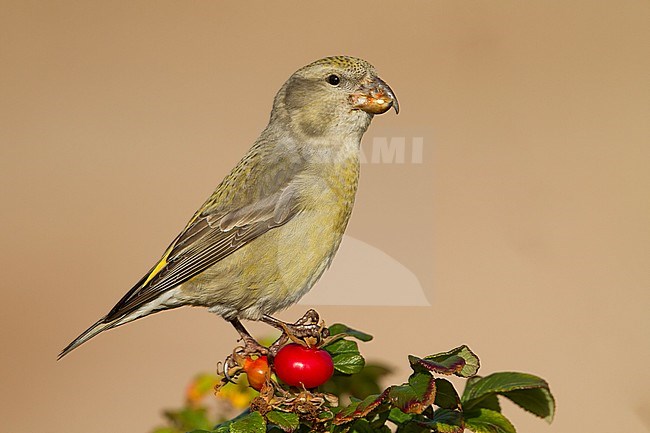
{"x": 273, "y": 225}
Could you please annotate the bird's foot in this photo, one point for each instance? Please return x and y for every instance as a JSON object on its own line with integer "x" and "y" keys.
{"x": 309, "y": 330}
{"x": 234, "y": 363}
{"x": 250, "y": 348}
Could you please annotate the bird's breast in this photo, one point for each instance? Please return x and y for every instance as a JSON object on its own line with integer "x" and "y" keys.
{"x": 306, "y": 245}
{"x": 278, "y": 268}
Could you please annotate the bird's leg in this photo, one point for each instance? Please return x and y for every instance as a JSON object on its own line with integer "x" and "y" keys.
{"x": 234, "y": 362}
{"x": 251, "y": 346}
{"x": 308, "y": 329}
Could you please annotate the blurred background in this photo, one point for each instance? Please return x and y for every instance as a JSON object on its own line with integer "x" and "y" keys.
{"x": 525, "y": 222}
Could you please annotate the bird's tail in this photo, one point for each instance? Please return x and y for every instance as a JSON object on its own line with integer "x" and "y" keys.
{"x": 89, "y": 333}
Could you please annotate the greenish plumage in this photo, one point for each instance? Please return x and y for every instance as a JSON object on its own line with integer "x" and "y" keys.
{"x": 273, "y": 225}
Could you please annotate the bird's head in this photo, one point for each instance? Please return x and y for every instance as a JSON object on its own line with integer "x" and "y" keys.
{"x": 333, "y": 95}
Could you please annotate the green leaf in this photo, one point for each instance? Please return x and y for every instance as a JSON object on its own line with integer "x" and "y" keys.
{"x": 501, "y": 382}
{"x": 359, "y": 408}
{"x": 339, "y": 328}
{"x": 490, "y": 401}
{"x": 252, "y": 423}
{"x": 530, "y": 392}
{"x": 346, "y": 356}
{"x": 446, "y": 395}
{"x": 450, "y": 366}
{"x": 538, "y": 401}
{"x": 378, "y": 420}
{"x": 445, "y": 421}
{"x": 414, "y": 396}
{"x": 222, "y": 428}
{"x": 342, "y": 346}
{"x": 360, "y": 385}
{"x": 396, "y": 416}
{"x": 325, "y": 415}
{"x": 472, "y": 363}
{"x": 190, "y": 418}
{"x": 348, "y": 363}
{"x": 204, "y": 382}
{"x": 286, "y": 421}
{"x": 413, "y": 427}
{"x": 460, "y": 361}
{"x": 361, "y": 426}
{"x": 488, "y": 421}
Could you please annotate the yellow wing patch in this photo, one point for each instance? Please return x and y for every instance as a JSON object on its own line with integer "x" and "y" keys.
{"x": 163, "y": 261}
{"x": 161, "y": 264}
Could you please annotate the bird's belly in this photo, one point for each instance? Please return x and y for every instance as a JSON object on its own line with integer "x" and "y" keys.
{"x": 273, "y": 271}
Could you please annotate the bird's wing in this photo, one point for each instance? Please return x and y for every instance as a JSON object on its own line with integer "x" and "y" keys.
{"x": 212, "y": 235}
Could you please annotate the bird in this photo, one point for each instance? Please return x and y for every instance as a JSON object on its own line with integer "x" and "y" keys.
{"x": 273, "y": 225}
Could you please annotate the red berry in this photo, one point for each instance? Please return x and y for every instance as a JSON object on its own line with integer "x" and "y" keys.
{"x": 257, "y": 371}
{"x": 309, "y": 366}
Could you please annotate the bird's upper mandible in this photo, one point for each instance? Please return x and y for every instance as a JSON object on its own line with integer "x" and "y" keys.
{"x": 375, "y": 97}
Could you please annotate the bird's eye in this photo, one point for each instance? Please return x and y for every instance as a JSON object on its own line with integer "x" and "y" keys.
{"x": 334, "y": 80}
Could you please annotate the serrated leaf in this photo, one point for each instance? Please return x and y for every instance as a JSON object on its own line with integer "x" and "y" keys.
{"x": 446, "y": 395}
{"x": 222, "y": 428}
{"x": 287, "y": 421}
{"x": 501, "y": 382}
{"x": 398, "y": 417}
{"x": 346, "y": 356}
{"x": 361, "y": 426}
{"x": 537, "y": 400}
{"x": 460, "y": 361}
{"x": 348, "y": 363}
{"x": 191, "y": 418}
{"x": 450, "y": 365}
{"x": 342, "y": 346}
{"x": 339, "y": 328}
{"x": 325, "y": 415}
{"x": 359, "y": 408}
{"x": 414, "y": 396}
{"x": 379, "y": 420}
{"x": 421, "y": 383}
{"x": 472, "y": 363}
{"x": 252, "y": 423}
{"x": 412, "y": 427}
{"x": 445, "y": 421}
{"x": 488, "y": 421}
{"x": 490, "y": 401}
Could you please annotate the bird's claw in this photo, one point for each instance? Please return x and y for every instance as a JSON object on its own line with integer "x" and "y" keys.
{"x": 233, "y": 365}
{"x": 309, "y": 330}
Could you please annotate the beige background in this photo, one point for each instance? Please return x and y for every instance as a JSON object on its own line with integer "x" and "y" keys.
{"x": 527, "y": 223}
